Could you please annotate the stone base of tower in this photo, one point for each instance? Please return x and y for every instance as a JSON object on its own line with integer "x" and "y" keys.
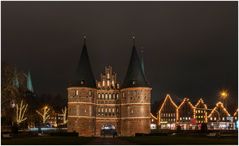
{"x": 132, "y": 126}
{"x": 83, "y": 126}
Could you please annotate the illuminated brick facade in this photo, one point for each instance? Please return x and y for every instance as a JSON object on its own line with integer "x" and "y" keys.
{"x": 92, "y": 105}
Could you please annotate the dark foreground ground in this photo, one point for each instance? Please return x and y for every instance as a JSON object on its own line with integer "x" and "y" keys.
{"x": 164, "y": 140}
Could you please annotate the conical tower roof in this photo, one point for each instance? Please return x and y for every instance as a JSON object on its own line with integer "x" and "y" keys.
{"x": 15, "y": 79}
{"x": 85, "y": 76}
{"x": 29, "y": 82}
{"x": 135, "y": 76}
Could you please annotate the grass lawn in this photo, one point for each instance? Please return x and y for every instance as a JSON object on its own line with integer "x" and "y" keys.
{"x": 181, "y": 140}
{"x": 56, "y": 140}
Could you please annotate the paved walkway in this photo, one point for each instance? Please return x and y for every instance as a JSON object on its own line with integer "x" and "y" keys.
{"x": 109, "y": 141}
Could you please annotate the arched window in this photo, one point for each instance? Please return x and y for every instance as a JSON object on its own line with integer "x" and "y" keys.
{"x": 77, "y": 92}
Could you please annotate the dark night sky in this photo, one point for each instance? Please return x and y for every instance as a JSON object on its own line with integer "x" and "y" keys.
{"x": 190, "y": 48}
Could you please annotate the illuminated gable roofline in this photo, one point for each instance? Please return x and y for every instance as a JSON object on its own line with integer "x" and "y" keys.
{"x": 236, "y": 112}
{"x": 153, "y": 116}
{"x": 217, "y": 106}
{"x": 184, "y": 100}
{"x": 165, "y": 99}
{"x": 201, "y": 101}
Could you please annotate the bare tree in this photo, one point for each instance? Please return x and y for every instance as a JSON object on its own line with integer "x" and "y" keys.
{"x": 20, "y": 112}
{"x": 44, "y": 113}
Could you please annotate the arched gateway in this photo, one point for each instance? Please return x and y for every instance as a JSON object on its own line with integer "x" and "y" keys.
{"x": 103, "y": 106}
{"x": 108, "y": 129}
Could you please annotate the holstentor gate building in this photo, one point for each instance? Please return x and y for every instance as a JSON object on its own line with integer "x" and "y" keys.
{"x": 93, "y": 104}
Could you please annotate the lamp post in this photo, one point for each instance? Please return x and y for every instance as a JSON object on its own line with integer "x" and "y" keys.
{"x": 224, "y": 96}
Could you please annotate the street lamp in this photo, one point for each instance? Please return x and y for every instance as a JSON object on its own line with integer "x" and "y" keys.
{"x": 224, "y": 95}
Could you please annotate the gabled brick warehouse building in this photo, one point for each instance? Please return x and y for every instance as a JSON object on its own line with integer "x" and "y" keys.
{"x": 94, "y": 105}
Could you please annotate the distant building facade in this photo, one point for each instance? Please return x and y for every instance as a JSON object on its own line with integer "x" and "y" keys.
{"x": 94, "y": 106}
{"x": 167, "y": 114}
{"x": 186, "y": 115}
{"x": 191, "y": 117}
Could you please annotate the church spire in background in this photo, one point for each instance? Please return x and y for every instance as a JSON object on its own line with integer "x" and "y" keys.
{"x": 29, "y": 82}
{"x": 15, "y": 79}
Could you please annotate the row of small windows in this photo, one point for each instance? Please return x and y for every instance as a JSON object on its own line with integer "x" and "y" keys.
{"x": 77, "y": 93}
{"x": 131, "y": 93}
{"x": 107, "y": 114}
{"x": 109, "y": 110}
{"x": 185, "y": 118}
{"x": 215, "y": 118}
{"x": 200, "y": 111}
{"x": 108, "y": 96}
{"x": 199, "y": 116}
{"x": 168, "y": 114}
{"x": 54, "y": 118}
{"x": 170, "y": 120}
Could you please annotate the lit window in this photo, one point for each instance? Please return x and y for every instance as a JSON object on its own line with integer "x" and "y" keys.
{"x": 102, "y": 110}
{"x": 108, "y": 83}
{"x": 215, "y": 118}
{"x": 98, "y": 109}
{"x": 211, "y": 118}
{"x": 117, "y": 95}
{"x": 110, "y": 110}
{"x": 89, "y": 93}
{"x": 235, "y": 117}
{"x": 109, "y": 96}
{"x": 108, "y": 75}
{"x": 186, "y": 118}
{"x": 77, "y": 92}
{"x": 106, "y": 110}
{"x": 189, "y": 118}
{"x": 103, "y": 83}
{"x": 180, "y": 118}
{"x": 98, "y": 95}
{"x": 113, "y": 110}
{"x": 223, "y": 118}
{"x": 103, "y": 96}
{"x": 106, "y": 96}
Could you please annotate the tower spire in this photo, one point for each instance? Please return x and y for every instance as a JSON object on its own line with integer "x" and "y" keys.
{"x": 84, "y": 39}
{"x": 135, "y": 76}
{"x": 15, "y": 79}
{"x": 84, "y": 74}
{"x": 29, "y": 82}
{"x": 133, "y": 37}
{"x": 142, "y": 58}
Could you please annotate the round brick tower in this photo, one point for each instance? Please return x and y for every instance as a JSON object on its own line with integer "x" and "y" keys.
{"x": 81, "y": 98}
{"x": 135, "y": 98}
